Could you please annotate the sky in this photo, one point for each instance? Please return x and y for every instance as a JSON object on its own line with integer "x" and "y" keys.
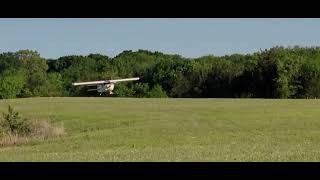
{"x": 188, "y": 37}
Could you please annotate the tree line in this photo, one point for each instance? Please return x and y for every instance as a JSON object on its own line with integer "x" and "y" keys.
{"x": 278, "y": 72}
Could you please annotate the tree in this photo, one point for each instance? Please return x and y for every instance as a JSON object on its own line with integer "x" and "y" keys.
{"x": 182, "y": 86}
{"x": 278, "y": 72}
{"x": 36, "y": 68}
{"x": 11, "y": 83}
{"x": 53, "y": 86}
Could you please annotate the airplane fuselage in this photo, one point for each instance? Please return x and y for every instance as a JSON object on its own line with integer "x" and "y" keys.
{"x": 105, "y": 88}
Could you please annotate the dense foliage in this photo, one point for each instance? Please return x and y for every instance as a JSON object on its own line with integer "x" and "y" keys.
{"x": 278, "y": 72}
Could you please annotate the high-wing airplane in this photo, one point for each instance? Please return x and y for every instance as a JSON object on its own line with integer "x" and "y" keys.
{"x": 104, "y": 86}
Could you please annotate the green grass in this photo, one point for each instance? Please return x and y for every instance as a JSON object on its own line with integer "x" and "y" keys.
{"x": 123, "y": 129}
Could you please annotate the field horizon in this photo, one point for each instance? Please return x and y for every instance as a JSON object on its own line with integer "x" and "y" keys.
{"x": 170, "y": 129}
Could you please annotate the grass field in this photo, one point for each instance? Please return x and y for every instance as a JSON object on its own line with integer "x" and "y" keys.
{"x": 124, "y": 129}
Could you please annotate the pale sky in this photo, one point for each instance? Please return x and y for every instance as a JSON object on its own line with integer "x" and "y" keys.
{"x": 189, "y": 37}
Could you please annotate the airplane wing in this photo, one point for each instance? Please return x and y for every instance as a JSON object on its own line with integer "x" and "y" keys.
{"x": 121, "y": 80}
{"x": 93, "y": 83}
{"x": 89, "y": 83}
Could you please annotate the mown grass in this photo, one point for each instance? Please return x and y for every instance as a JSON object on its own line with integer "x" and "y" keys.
{"x": 124, "y": 129}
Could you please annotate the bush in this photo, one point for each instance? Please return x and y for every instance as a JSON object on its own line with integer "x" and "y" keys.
{"x": 16, "y": 130}
{"x": 157, "y": 92}
{"x": 14, "y": 124}
{"x": 140, "y": 89}
{"x": 122, "y": 90}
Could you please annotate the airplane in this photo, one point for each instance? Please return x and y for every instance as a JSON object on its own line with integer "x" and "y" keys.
{"x": 105, "y": 85}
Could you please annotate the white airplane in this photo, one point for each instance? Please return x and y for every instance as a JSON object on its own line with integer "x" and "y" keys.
{"x": 104, "y": 86}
